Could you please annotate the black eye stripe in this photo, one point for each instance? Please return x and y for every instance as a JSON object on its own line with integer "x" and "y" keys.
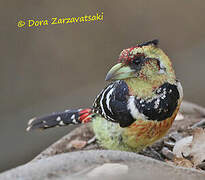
{"x": 139, "y": 58}
{"x": 139, "y": 61}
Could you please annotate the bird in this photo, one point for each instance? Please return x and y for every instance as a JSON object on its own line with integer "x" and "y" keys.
{"x": 136, "y": 108}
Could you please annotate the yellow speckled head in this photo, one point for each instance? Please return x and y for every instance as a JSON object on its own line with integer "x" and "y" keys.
{"x": 146, "y": 65}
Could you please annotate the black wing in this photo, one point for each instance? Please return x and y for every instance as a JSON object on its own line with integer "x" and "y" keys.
{"x": 111, "y": 103}
{"x": 162, "y": 105}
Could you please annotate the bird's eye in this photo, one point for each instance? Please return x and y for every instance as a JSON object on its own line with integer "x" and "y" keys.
{"x": 136, "y": 61}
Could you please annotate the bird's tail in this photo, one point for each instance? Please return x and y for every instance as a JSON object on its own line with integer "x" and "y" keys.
{"x": 67, "y": 117}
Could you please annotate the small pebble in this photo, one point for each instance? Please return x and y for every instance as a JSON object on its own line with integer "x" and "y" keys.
{"x": 78, "y": 144}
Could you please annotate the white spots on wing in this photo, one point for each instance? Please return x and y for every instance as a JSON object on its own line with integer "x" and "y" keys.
{"x": 159, "y": 90}
{"x": 141, "y": 101}
{"x": 156, "y": 103}
{"x": 149, "y": 100}
{"x": 163, "y": 95}
{"x": 58, "y": 118}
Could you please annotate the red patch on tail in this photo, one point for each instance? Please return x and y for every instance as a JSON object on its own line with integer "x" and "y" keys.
{"x": 84, "y": 115}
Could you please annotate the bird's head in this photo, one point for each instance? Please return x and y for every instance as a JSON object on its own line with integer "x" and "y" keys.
{"x": 146, "y": 62}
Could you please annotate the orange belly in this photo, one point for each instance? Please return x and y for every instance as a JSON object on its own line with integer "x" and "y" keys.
{"x": 143, "y": 133}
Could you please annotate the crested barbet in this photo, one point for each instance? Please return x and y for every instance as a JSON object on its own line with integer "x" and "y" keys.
{"x": 136, "y": 109}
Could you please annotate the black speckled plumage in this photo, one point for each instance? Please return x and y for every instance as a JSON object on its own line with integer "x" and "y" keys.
{"x": 115, "y": 106}
{"x": 162, "y": 106}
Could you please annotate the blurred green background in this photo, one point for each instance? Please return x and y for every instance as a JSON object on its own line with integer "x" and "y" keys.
{"x": 63, "y": 66}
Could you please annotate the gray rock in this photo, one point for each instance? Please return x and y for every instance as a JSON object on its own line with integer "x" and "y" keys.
{"x": 77, "y": 165}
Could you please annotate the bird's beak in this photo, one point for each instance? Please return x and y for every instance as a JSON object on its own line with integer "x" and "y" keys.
{"x": 119, "y": 71}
